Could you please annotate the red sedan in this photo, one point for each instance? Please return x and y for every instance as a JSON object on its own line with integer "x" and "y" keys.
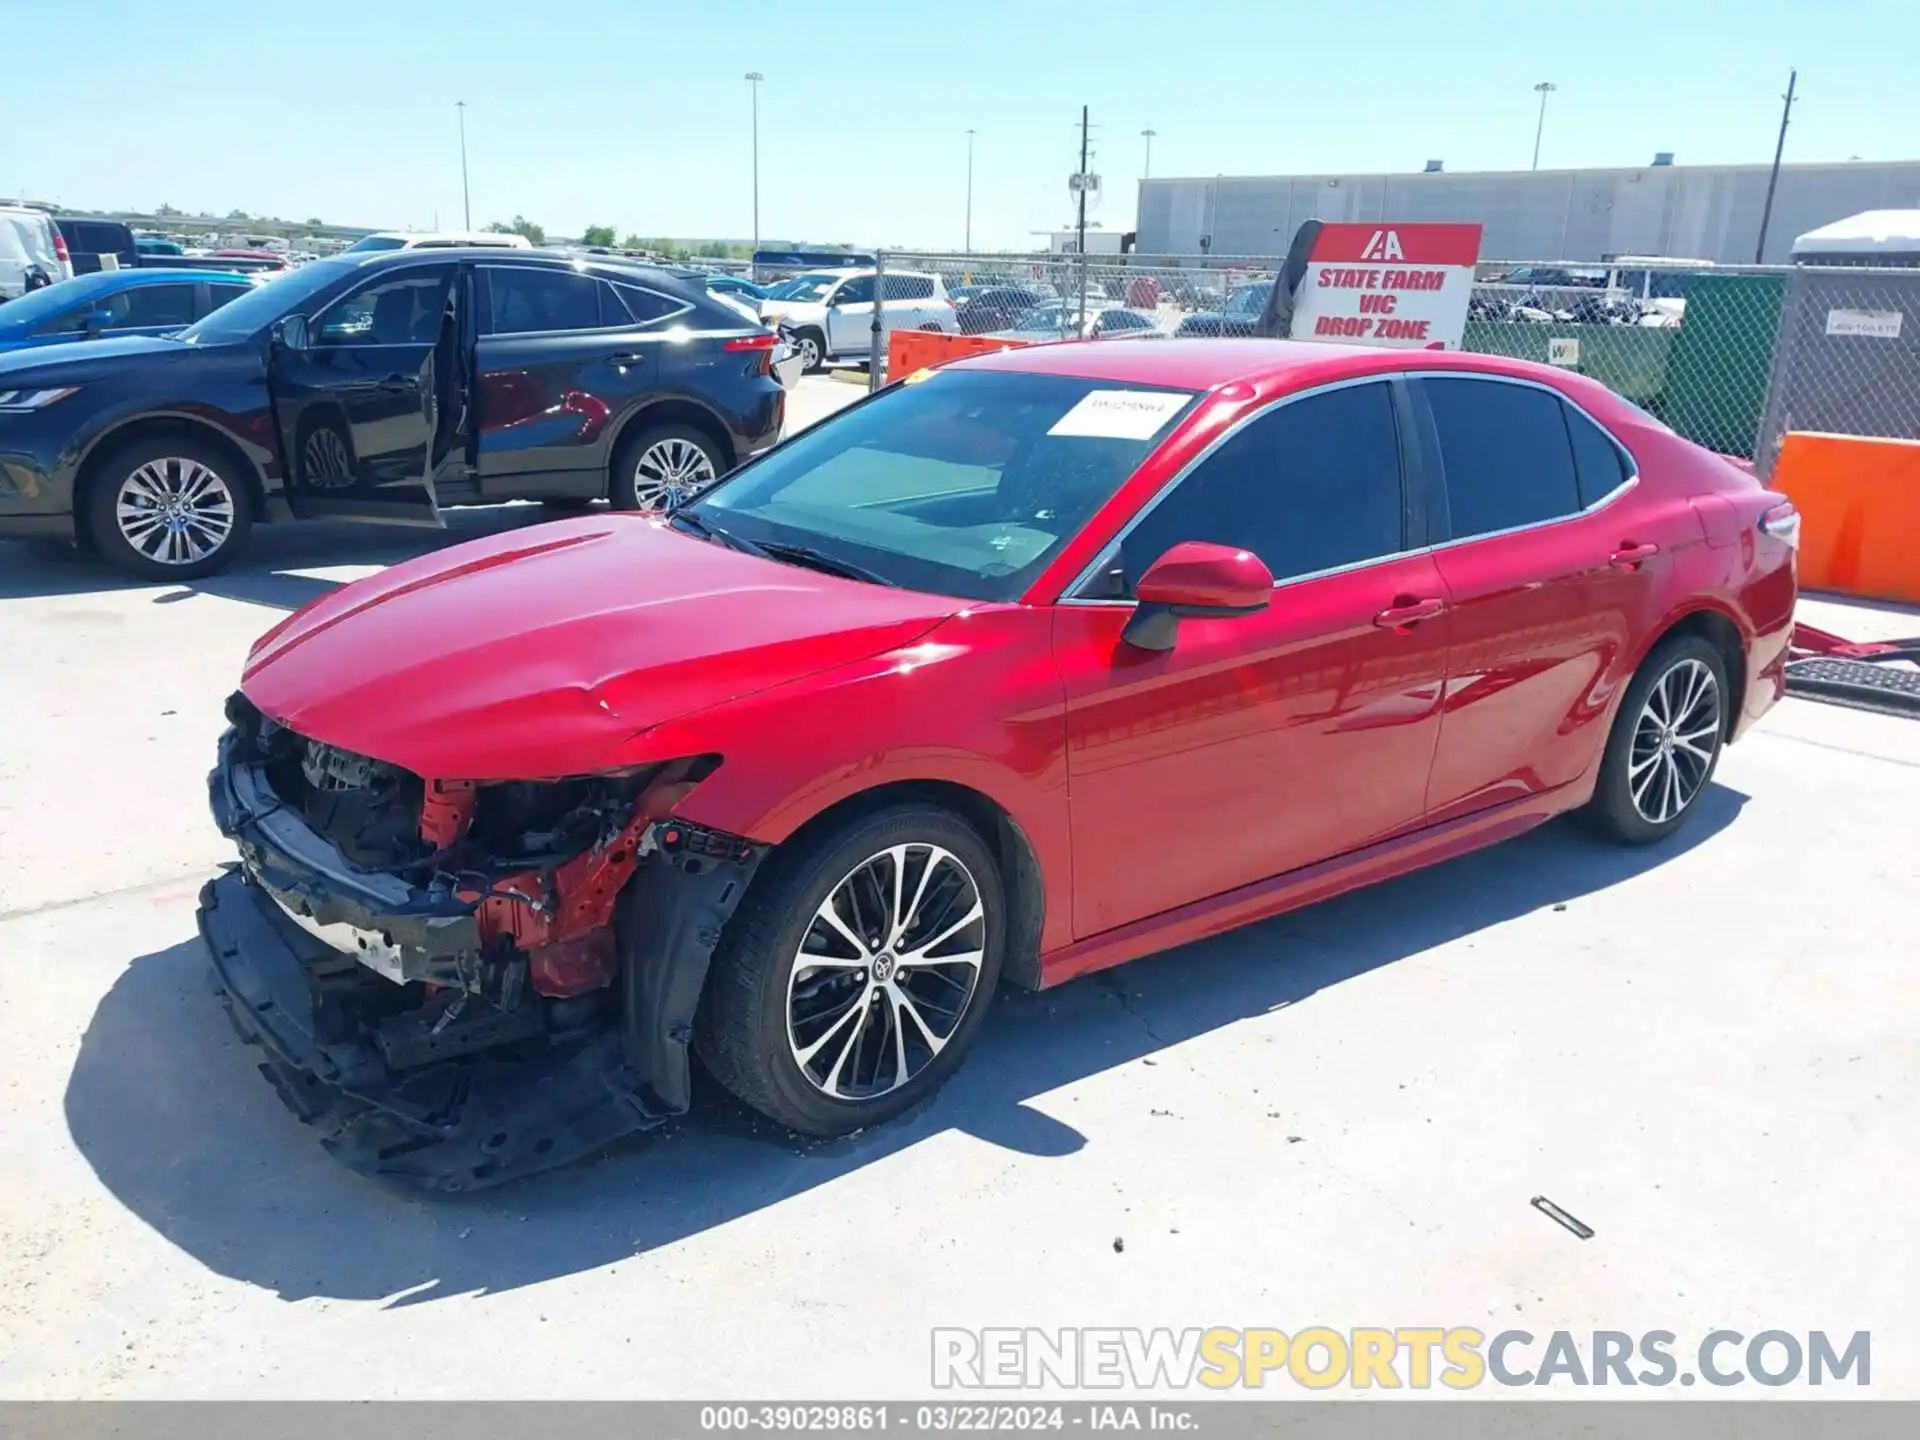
{"x": 1021, "y": 668}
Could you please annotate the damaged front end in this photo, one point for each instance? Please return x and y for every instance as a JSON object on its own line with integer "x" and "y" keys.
{"x": 457, "y": 982}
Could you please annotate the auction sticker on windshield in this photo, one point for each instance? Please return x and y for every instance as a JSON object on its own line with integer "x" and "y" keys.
{"x": 1120, "y": 414}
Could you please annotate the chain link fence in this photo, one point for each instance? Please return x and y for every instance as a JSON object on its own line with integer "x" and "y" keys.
{"x": 1731, "y": 357}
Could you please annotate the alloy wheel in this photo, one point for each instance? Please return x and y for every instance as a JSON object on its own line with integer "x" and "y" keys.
{"x": 809, "y": 353}
{"x": 885, "y": 972}
{"x": 671, "y": 472}
{"x": 174, "y": 511}
{"x": 1675, "y": 740}
{"x": 324, "y": 462}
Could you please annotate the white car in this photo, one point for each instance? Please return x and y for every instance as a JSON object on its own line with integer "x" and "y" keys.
{"x": 29, "y": 240}
{"x": 830, "y": 312}
{"x": 437, "y": 240}
{"x": 1062, "y": 320}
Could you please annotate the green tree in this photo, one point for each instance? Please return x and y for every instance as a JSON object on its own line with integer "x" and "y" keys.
{"x": 537, "y": 234}
{"x": 166, "y": 209}
{"x": 315, "y": 221}
{"x": 597, "y": 235}
{"x": 634, "y": 242}
{"x": 238, "y": 215}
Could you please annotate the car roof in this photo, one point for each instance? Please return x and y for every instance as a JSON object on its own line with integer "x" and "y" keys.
{"x": 154, "y": 275}
{"x": 1207, "y": 364}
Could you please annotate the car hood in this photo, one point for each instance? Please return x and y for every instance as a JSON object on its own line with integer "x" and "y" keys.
{"x": 80, "y": 359}
{"x": 546, "y": 651}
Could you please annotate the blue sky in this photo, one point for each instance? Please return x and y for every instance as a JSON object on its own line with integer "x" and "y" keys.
{"x": 636, "y": 114}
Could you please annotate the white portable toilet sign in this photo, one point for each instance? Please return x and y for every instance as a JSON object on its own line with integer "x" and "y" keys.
{"x": 1405, "y": 286}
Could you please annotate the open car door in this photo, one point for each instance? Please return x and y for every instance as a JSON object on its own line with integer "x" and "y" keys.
{"x": 357, "y": 398}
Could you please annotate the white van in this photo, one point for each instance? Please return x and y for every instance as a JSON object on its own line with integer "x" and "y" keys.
{"x": 40, "y": 238}
{"x": 436, "y": 240}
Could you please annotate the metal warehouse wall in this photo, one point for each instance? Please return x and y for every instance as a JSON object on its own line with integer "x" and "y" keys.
{"x": 1698, "y": 212}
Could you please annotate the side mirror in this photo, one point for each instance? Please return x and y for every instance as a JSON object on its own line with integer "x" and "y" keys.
{"x": 94, "y": 321}
{"x": 1196, "y": 579}
{"x": 290, "y": 333}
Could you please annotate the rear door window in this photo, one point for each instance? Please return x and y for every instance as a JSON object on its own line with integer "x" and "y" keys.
{"x": 1505, "y": 452}
{"x": 530, "y": 301}
{"x": 649, "y": 307}
{"x": 156, "y": 305}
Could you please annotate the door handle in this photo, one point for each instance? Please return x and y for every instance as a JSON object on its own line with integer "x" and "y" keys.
{"x": 1410, "y": 612}
{"x": 626, "y": 357}
{"x": 1628, "y": 557}
{"x": 396, "y": 384}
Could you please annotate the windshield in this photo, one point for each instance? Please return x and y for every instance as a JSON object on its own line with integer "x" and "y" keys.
{"x": 803, "y": 287}
{"x": 965, "y": 483}
{"x": 43, "y": 304}
{"x": 374, "y": 242}
{"x": 1250, "y": 301}
{"x": 253, "y": 312}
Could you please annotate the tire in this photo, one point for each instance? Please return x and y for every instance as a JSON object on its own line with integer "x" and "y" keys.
{"x": 133, "y": 482}
{"x": 831, "y": 1065}
{"x": 1642, "y": 776}
{"x": 813, "y": 349}
{"x": 679, "y": 461}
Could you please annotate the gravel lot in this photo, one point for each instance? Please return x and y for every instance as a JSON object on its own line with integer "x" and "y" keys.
{"x": 1708, "y": 1052}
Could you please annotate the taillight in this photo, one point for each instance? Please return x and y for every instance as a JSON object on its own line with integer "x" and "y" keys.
{"x": 1782, "y": 522}
{"x": 763, "y": 344}
{"x": 60, "y": 247}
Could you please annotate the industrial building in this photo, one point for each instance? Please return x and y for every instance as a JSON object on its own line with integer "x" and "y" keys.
{"x": 1698, "y": 212}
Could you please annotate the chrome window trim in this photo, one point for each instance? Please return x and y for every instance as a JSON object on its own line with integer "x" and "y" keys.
{"x": 1070, "y": 595}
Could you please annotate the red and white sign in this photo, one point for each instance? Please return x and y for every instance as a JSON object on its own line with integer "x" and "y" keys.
{"x": 1399, "y": 285}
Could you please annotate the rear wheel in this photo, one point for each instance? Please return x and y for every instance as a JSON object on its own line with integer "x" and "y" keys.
{"x": 665, "y": 466}
{"x": 1665, "y": 743}
{"x": 169, "y": 509}
{"x": 857, "y": 971}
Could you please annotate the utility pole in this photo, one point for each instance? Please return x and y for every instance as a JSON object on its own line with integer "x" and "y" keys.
{"x": 1546, "y": 88}
{"x": 1082, "y": 224}
{"x": 754, "y": 77}
{"x": 1779, "y": 148}
{"x": 466, "y": 199}
{"x": 1146, "y": 170}
{"x": 969, "y": 244}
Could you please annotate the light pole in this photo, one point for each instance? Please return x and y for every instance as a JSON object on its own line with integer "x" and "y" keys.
{"x": 1545, "y": 88}
{"x": 969, "y": 242}
{"x": 466, "y": 200}
{"x": 1146, "y": 170}
{"x": 754, "y": 77}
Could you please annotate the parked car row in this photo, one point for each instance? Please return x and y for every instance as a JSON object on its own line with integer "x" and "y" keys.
{"x": 377, "y": 385}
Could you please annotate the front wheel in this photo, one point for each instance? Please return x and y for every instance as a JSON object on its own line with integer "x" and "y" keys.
{"x": 169, "y": 509}
{"x": 813, "y": 350}
{"x": 1666, "y": 741}
{"x": 857, "y": 971}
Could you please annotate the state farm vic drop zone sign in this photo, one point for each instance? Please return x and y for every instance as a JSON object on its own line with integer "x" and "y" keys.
{"x": 1399, "y": 285}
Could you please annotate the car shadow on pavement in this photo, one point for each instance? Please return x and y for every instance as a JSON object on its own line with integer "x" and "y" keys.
{"x": 268, "y": 574}
{"x": 164, "y": 1104}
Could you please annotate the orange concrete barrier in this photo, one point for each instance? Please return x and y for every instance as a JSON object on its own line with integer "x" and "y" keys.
{"x": 1859, "y": 503}
{"x": 911, "y": 350}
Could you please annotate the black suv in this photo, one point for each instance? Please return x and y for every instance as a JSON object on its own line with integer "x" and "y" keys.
{"x": 383, "y": 386}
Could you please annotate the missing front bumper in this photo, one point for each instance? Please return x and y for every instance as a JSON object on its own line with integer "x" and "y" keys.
{"x": 522, "y": 1104}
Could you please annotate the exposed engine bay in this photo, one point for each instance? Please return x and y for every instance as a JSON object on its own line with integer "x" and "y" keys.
{"x": 417, "y": 952}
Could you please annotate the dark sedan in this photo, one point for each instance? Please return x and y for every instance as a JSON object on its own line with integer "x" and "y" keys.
{"x": 1240, "y": 316}
{"x": 995, "y": 308}
{"x": 381, "y": 387}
